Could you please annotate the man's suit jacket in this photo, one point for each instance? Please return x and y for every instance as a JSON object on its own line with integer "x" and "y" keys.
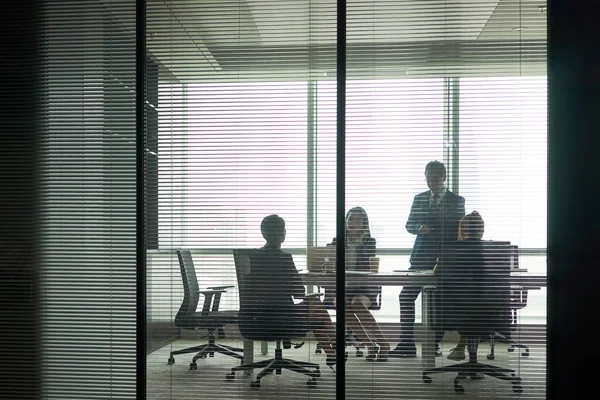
{"x": 443, "y": 219}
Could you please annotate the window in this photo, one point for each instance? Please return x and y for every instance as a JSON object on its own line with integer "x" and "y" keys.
{"x": 503, "y": 156}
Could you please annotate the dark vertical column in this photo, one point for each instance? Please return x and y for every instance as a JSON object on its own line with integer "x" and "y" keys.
{"x": 573, "y": 196}
{"x": 340, "y": 321}
{"x": 19, "y": 131}
{"x": 141, "y": 165}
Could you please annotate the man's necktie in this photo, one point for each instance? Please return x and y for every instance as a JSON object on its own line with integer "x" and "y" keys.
{"x": 436, "y": 199}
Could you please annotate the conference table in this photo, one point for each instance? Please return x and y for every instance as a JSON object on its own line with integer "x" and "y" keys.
{"x": 427, "y": 279}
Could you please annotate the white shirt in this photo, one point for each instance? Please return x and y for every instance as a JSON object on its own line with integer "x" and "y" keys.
{"x": 439, "y": 200}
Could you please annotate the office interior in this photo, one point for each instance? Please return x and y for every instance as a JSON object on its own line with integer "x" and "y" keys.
{"x": 241, "y": 120}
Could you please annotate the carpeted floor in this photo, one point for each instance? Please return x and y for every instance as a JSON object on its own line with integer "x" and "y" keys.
{"x": 396, "y": 379}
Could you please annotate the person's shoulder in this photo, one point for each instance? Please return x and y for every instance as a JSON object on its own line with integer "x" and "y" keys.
{"x": 454, "y": 196}
{"x": 422, "y": 195}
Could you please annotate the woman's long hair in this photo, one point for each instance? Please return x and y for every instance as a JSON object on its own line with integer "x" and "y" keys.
{"x": 360, "y": 211}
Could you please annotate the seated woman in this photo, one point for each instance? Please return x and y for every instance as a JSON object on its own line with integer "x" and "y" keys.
{"x": 360, "y": 247}
{"x": 281, "y": 283}
{"x": 470, "y": 232}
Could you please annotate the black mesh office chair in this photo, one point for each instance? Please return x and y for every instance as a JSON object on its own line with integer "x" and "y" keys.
{"x": 474, "y": 289}
{"x": 518, "y": 301}
{"x": 210, "y": 318}
{"x": 258, "y": 322}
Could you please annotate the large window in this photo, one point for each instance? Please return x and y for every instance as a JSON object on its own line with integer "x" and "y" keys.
{"x": 231, "y": 153}
{"x": 387, "y": 120}
{"x": 216, "y": 182}
{"x": 241, "y": 157}
{"x": 502, "y": 156}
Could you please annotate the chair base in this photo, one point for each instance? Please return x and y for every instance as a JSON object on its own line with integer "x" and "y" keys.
{"x": 208, "y": 350}
{"x": 473, "y": 367}
{"x": 278, "y": 364}
{"x": 512, "y": 344}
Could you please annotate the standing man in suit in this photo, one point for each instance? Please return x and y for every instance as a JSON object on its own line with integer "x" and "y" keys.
{"x": 434, "y": 218}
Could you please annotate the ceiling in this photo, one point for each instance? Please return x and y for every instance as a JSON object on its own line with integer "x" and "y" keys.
{"x": 246, "y": 39}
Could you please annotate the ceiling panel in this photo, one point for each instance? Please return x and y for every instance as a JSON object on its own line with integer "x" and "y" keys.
{"x": 516, "y": 20}
{"x": 210, "y": 38}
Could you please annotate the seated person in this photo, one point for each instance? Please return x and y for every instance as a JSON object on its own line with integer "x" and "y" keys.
{"x": 360, "y": 247}
{"x": 278, "y": 277}
{"x": 466, "y": 255}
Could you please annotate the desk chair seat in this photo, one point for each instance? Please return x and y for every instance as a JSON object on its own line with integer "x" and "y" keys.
{"x": 260, "y": 326}
{"x": 210, "y": 318}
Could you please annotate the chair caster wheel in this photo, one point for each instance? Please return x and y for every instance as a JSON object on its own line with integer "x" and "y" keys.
{"x": 193, "y": 365}
{"x": 490, "y": 356}
{"x": 510, "y": 349}
{"x": 359, "y": 353}
{"x": 230, "y": 375}
{"x": 318, "y": 350}
{"x": 278, "y": 371}
{"x": 517, "y": 388}
{"x": 311, "y": 382}
{"x": 458, "y": 388}
{"x": 255, "y": 384}
{"x": 426, "y": 378}
{"x": 171, "y": 360}
{"x": 211, "y": 355}
{"x": 525, "y": 354}
{"x": 203, "y": 356}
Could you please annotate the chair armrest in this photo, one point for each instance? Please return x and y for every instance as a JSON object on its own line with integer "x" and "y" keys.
{"x": 207, "y": 292}
{"x": 221, "y": 287}
{"x": 211, "y": 297}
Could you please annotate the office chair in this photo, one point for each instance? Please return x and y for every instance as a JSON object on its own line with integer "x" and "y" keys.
{"x": 257, "y": 323}
{"x": 479, "y": 269}
{"x": 210, "y": 318}
{"x": 350, "y": 338}
{"x": 518, "y": 301}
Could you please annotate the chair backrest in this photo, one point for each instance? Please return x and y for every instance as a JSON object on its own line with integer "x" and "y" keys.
{"x": 190, "y": 286}
{"x": 477, "y": 288}
{"x": 258, "y": 316}
{"x": 518, "y": 295}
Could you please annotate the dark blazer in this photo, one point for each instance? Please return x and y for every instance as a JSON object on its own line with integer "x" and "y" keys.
{"x": 444, "y": 220}
{"x": 364, "y": 251}
{"x": 268, "y": 309}
{"x": 277, "y": 280}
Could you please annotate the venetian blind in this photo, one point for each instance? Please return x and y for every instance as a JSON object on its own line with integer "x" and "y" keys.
{"x": 237, "y": 139}
{"x": 88, "y": 240}
{"x": 246, "y": 127}
{"x": 462, "y": 82}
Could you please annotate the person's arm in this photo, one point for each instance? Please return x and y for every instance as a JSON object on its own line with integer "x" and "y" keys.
{"x": 460, "y": 211}
{"x": 416, "y": 218}
{"x": 453, "y": 218}
{"x": 370, "y": 247}
{"x": 294, "y": 280}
